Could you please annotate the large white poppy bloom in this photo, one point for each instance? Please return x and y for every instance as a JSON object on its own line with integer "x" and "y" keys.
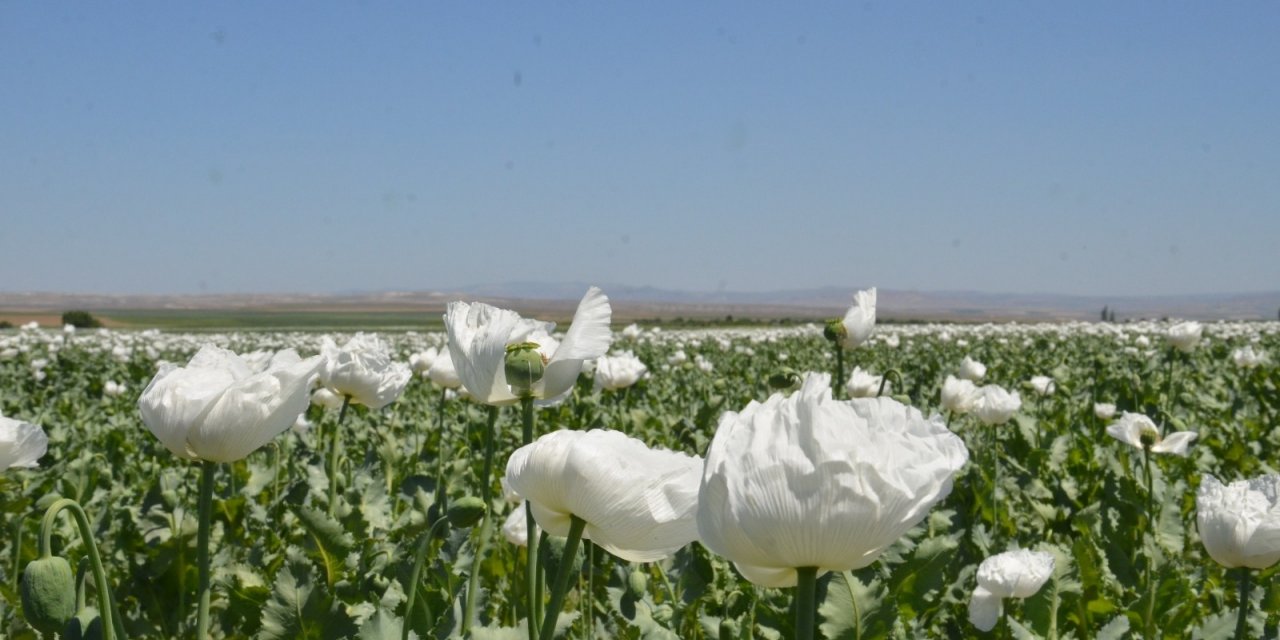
{"x": 363, "y": 369}
{"x": 958, "y": 395}
{"x": 1239, "y": 523}
{"x": 860, "y": 319}
{"x": 479, "y": 335}
{"x": 21, "y": 444}
{"x": 994, "y": 404}
{"x": 808, "y": 481}
{"x": 218, "y": 408}
{"x": 972, "y": 370}
{"x": 1185, "y": 336}
{"x": 1132, "y": 427}
{"x": 619, "y": 371}
{"x": 1012, "y": 574}
{"x": 864, "y": 384}
{"x": 638, "y": 503}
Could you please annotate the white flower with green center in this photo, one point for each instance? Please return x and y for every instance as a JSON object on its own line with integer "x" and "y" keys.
{"x": 1012, "y": 574}
{"x": 1140, "y": 431}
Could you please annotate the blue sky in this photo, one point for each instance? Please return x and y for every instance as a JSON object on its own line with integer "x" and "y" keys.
{"x": 1088, "y": 148}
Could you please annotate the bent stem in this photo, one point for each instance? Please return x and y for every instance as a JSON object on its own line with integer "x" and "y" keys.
{"x": 1246, "y": 584}
{"x": 482, "y": 545}
{"x": 419, "y": 559}
{"x": 897, "y": 375}
{"x": 207, "y": 470}
{"x": 531, "y": 567}
{"x": 806, "y": 605}
{"x": 112, "y": 625}
{"x": 333, "y": 455}
{"x": 562, "y": 578}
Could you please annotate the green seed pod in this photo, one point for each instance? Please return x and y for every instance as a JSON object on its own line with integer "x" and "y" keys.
{"x": 637, "y": 583}
{"x": 86, "y": 625}
{"x": 466, "y": 512}
{"x": 524, "y": 366}
{"x": 48, "y": 594}
{"x": 835, "y": 331}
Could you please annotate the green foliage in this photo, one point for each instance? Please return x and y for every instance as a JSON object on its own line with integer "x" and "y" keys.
{"x": 80, "y": 320}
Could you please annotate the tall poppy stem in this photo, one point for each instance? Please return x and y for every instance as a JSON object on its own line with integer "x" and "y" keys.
{"x": 1246, "y": 585}
{"x": 1151, "y": 525}
{"x": 333, "y": 455}
{"x": 207, "y": 469}
{"x": 839, "y": 383}
{"x": 562, "y": 578}
{"x": 482, "y": 544}
{"x": 531, "y": 567}
{"x": 418, "y": 560}
{"x": 806, "y": 601}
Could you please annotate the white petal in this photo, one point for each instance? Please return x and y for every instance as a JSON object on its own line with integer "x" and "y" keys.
{"x": 478, "y": 335}
{"x": 253, "y": 411}
{"x": 21, "y": 444}
{"x": 984, "y": 609}
{"x": 588, "y": 337}
{"x": 1175, "y": 443}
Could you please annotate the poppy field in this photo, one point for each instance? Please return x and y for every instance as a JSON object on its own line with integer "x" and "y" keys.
{"x": 853, "y": 480}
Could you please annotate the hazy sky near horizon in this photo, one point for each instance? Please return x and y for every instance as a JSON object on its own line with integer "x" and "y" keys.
{"x": 1084, "y": 148}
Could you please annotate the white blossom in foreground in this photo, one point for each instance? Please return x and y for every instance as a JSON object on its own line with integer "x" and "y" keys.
{"x": 1012, "y": 574}
{"x": 619, "y": 371}
{"x": 363, "y": 369}
{"x": 1185, "y": 336}
{"x": 958, "y": 395}
{"x": 808, "y": 481}
{"x": 1139, "y": 431}
{"x": 21, "y": 444}
{"x": 638, "y": 503}
{"x": 1247, "y": 358}
{"x": 994, "y": 405}
{"x": 864, "y": 384}
{"x": 217, "y": 408}
{"x": 972, "y": 370}
{"x": 479, "y": 335}
{"x": 1239, "y": 523}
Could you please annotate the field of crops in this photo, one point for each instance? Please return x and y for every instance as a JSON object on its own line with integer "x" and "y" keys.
{"x": 299, "y": 551}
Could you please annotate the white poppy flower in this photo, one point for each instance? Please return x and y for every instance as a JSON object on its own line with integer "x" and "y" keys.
{"x": 1132, "y": 428}
{"x": 442, "y": 372}
{"x": 863, "y": 384}
{"x": 619, "y": 371}
{"x": 638, "y": 503}
{"x": 217, "y": 408}
{"x": 21, "y": 444}
{"x": 362, "y": 368}
{"x": 972, "y": 370}
{"x": 1012, "y": 574}
{"x": 1184, "y": 336}
{"x": 1239, "y": 523}
{"x": 516, "y": 528}
{"x": 958, "y": 395}
{"x": 995, "y": 405}
{"x": 860, "y": 319}
{"x": 1247, "y": 358}
{"x": 479, "y": 335}
{"x": 1044, "y": 385}
{"x": 808, "y": 481}
{"x": 1104, "y": 410}
{"x": 323, "y": 397}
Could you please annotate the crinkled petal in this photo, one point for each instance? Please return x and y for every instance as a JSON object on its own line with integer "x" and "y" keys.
{"x": 984, "y": 609}
{"x": 22, "y": 444}
{"x": 1175, "y": 443}
{"x": 478, "y": 335}
{"x": 253, "y": 411}
{"x": 588, "y": 337}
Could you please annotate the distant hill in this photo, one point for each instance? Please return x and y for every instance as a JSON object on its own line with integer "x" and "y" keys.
{"x": 556, "y": 301}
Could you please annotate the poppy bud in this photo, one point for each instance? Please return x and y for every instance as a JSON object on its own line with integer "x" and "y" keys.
{"x": 835, "y": 331}
{"x": 785, "y": 380}
{"x": 48, "y": 594}
{"x": 465, "y": 512}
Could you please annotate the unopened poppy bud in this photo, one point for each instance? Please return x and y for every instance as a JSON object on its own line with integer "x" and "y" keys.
{"x": 835, "y": 331}
{"x": 524, "y": 366}
{"x": 637, "y": 583}
{"x": 86, "y": 625}
{"x": 465, "y": 512}
{"x": 785, "y": 380}
{"x": 48, "y": 594}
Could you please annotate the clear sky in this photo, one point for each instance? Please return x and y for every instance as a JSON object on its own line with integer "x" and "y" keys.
{"x": 1090, "y": 148}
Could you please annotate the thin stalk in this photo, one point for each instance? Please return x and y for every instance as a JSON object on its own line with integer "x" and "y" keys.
{"x": 562, "y": 578}
{"x": 1246, "y": 584}
{"x": 995, "y": 483}
{"x": 204, "y": 592}
{"x": 1149, "y": 613}
{"x": 806, "y": 605}
{"x": 838, "y": 387}
{"x": 530, "y": 567}
{"x": 1168, "y": 390}
{"x": 482, "y": 544}
{"x": 419, "y": 559}
{"x": 333, "y": 455}
{"x": 112, "y": 627}
{"x": 590, "y": 600}
{"x": 541, "y": 583}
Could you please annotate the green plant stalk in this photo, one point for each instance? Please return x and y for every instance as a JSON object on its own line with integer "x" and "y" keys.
{"x": 1246, "y": 585}
{"x": 112, "y": 626}
{"x": 482, "y": 545}
{"x": 541, "y": 582}
{"x": 995, "y": 482}
{"x": 411, "y": 590}
{"x": 333, "y": 455}
{"x": 1149, "y": 613}
{"x": 531, "y": 566}
{"x": 1169, "y": 385}
{"x": 207, "y": 470}
{"x": 838, "y": 387}
{"x": 562, "y": 578}
{"x": 806, "y": 604}
{"x": 897, "y": 375}
{"x": 590, "y": 600}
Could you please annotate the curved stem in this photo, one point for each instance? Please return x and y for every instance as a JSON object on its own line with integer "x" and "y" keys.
{"x": 1246, "y": 584}
{"x": 486, "y": 493}
{"x": 884, "y": 379}
{"x": 207, "y": 470}
{"x": 562, "y": 578}
{"x": 333, "y": 455}
{"x": 111, "y": 624}
{"x": 531, "y": 567}
{"x": 419, "y": 559}
{"x": 806, "y": 605}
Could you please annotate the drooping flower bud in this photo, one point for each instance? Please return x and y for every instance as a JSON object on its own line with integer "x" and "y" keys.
{"x": 786, "y": 379}
{"x": 465, "y": 512}
{"x": 524, "y": 366}
{"x": 48, "y": 594}
{"x": 835, "y": 331}
{"x": 637, "y": 583}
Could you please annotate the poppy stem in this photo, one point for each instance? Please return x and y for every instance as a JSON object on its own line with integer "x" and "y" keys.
{"x": 482, "y": 545}
{"x": 333, "y": 455}
{"x": 531, "y": 567}
{"x": 204, "y": 591}
{"x": 411, "y": 591}
{"x": 1246, "y": 585}
{"x": 839, "y": 382}
{"x": 112, "y": 626}
{"x": 806, "y": 605}
{"x": 562, "y": 578}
